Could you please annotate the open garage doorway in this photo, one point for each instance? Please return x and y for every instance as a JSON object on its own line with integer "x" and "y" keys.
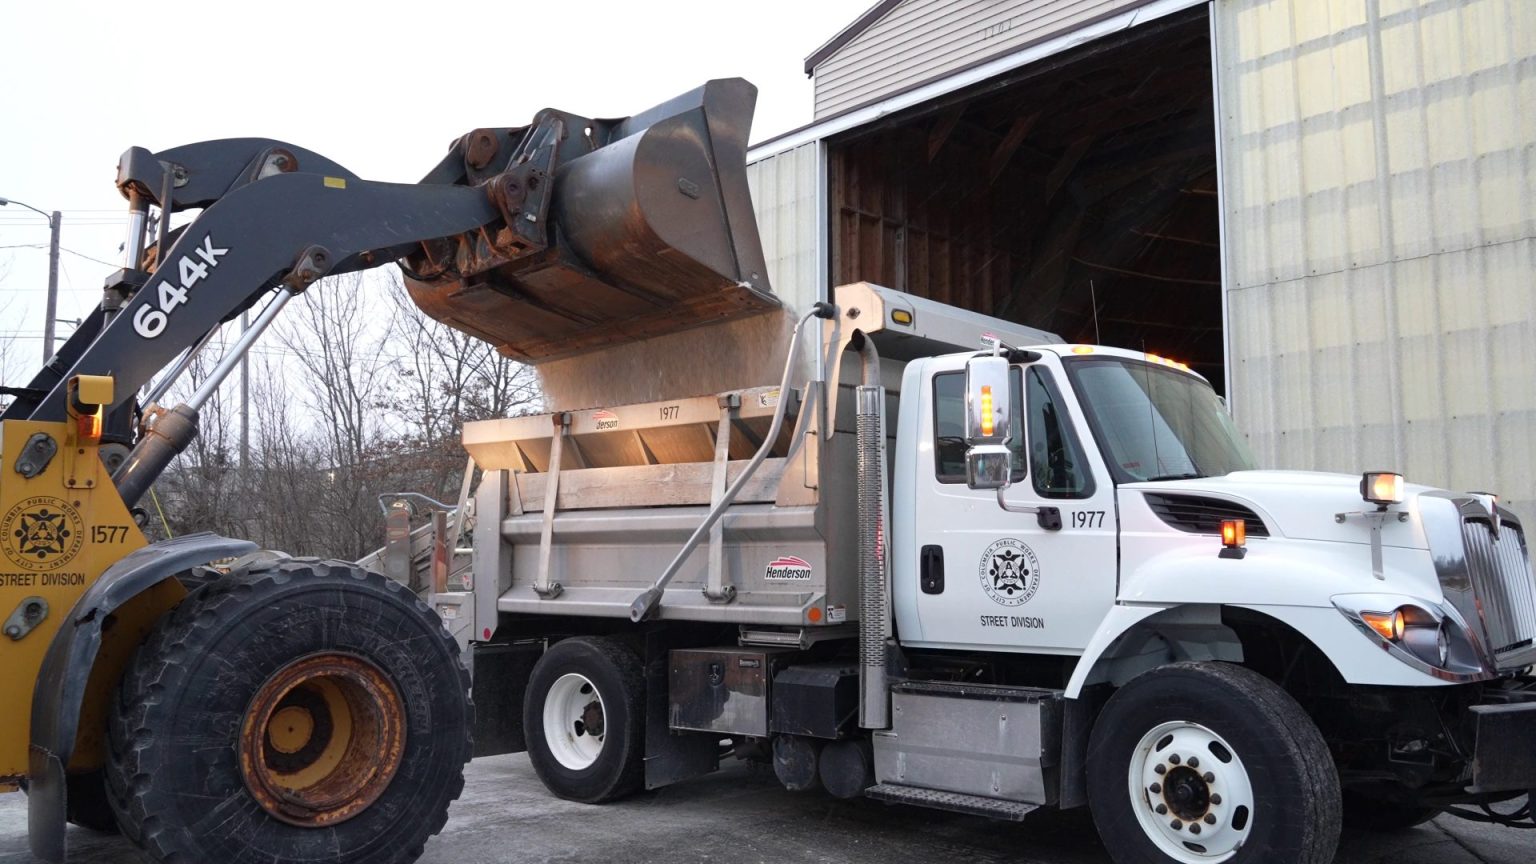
{"x": 1076, "y": 194}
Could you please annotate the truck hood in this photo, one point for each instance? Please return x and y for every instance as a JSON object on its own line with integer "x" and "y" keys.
{"x": 1302, "y": 505}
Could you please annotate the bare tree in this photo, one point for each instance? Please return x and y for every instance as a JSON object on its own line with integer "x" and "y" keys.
{"x": 444, "y": 378}
{"x": 338, "y": 343}
{"x": 10, "y": 367}
{"x": 201, "y": 490}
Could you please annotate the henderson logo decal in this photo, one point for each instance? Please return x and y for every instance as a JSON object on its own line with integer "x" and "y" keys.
{"x": 788, "y": 568}
{"x": 1010, "y": 573}
{"x": 605, "y": 420}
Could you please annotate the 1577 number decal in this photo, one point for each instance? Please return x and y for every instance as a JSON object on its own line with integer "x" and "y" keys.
{"x": 150, "y": 319}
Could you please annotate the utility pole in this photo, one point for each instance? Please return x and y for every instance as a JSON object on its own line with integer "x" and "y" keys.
{"x": 55, "y": 221}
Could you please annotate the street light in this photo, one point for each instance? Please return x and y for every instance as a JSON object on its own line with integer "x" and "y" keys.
{"x": 54, "y": 220}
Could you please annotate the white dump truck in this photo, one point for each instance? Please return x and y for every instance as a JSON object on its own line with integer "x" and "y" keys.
{"x": 966, "y": 566}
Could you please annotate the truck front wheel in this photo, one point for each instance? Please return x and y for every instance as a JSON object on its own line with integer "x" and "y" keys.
{"x": 1202, "y": 763}
{"x": 298, "y": 711}
{"x": 584, "y": 715}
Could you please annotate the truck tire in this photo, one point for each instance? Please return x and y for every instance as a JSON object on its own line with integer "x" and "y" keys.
{"x": 1210, "y": 762}
{"x": 585, "y": 719}
{"x": 297, "y": 711}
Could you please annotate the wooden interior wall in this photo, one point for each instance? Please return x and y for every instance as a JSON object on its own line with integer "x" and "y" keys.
{"x": 1078, "y": 197}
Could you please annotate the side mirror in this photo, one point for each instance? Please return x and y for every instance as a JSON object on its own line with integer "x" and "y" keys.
{"x": 988, "y": 461}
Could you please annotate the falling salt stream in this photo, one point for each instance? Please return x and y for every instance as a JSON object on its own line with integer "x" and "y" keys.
{"x": 730, "y": 355}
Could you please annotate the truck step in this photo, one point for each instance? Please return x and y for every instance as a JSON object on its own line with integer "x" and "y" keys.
{"x": 955, "y": 802}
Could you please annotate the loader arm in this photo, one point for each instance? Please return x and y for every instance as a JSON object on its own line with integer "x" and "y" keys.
{"x": 284, "y": 232}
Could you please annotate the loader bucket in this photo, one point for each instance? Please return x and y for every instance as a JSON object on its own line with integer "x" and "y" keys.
{"x": 612, "y": 231}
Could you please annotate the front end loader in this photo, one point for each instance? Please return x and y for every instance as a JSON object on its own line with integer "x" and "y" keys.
{"x": 219, "y": 705}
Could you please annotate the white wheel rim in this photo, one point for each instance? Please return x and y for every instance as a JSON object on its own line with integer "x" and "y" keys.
{"x": 570, "y": 708}
{"x": 1202, "y": 788}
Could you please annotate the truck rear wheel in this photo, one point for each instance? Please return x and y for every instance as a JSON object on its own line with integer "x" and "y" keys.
{"x": 1202, "y": 763}
{"x": 585, "y": 719}
{"x": 302, "y": 710}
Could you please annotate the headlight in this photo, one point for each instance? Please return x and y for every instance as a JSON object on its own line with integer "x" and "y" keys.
{"x": 1415, "y": 629}
{"x": 1425, "y": 635}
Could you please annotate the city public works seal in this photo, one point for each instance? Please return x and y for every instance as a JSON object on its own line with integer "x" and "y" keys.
{"x": 41, "y": 533}
{"x": 1010, "y": 573}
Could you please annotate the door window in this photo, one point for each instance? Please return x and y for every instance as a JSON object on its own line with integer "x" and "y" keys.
{"x": 949, "y": 425}
{"x": 1055, "y": 458}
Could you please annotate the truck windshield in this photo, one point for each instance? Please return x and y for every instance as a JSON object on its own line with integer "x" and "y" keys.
{"x": 1155, "y": 423}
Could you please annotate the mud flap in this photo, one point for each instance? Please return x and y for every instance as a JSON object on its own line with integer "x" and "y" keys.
{"x": 670, "y": 756}
{"x": 500, "y": 683}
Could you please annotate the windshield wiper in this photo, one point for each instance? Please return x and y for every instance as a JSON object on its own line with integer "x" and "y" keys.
{"x": 1184, "y": 476}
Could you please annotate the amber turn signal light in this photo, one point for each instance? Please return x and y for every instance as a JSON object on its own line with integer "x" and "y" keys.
{"x": 1234, "y": 538}
{"x": 1234, "y": 533}
{"x": 1388, "y": 625}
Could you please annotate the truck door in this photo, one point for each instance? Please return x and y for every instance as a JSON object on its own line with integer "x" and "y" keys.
{"x": 1006, "y": 582}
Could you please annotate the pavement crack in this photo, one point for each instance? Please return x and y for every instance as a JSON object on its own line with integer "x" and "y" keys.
{"x": 1476, "y": 856}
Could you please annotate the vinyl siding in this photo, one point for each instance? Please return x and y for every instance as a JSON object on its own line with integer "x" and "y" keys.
{"x": 1379, "y": 161}
{"x": 921, "y": 40}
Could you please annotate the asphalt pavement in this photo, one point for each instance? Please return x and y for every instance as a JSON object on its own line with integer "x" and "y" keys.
{"x": 741, "y": 815}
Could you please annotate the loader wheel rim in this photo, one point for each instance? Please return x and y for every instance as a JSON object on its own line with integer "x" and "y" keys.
{"x": 322, "y": 739}
{"x": 575, "y": 721}
{"x": 1191, "y": 793}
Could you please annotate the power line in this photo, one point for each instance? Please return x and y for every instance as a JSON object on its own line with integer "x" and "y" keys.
{"x": 61, "y": 248}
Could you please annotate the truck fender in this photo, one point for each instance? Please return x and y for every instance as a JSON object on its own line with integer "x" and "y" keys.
{"x": 65, "y": 681}
{"x": 1145, "y": 635}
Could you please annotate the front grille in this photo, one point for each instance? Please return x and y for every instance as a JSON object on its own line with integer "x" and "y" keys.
{"x": 1198, "y": 514}
{"x": 1505, "y": 591}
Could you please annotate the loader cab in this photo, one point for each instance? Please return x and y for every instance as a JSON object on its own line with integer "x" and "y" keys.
{"x": 968, "y": 572}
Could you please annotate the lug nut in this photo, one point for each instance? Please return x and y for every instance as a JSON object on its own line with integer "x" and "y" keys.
{"x": 1215, "y": 799}
{"x": 1194, "y": 828}
{"x": 1157, "y": 788}
{"x": 1209, "y": 777}
{"x": 1194, "y": 761}
{"x": 1174, "y": 759}
{"x": 1162, "y": 809}
{"x": 1160, "y": 769}
{"x": 1176, "y": 825}
{"x": 1210, "y": 819}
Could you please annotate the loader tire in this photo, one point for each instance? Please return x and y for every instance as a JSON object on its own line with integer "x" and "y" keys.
{"x": 300, "y": 710}
{"x": 584, "y": 713}
{"x": 1211, "y": 761}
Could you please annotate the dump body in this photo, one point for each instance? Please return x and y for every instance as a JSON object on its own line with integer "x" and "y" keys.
{"x": 633, "y": 481}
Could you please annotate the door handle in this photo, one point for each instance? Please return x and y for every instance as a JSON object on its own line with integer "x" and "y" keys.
{"x": 931, "y": 569}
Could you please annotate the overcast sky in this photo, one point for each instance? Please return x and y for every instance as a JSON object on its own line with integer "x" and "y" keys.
{"x": 380, "y": 87}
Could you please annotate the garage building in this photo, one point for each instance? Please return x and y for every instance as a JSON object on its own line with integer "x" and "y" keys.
{"x": 1324, "y": 206}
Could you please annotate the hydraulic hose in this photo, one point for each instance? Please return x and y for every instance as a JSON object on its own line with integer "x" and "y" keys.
{"x": 645, "y": 604}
